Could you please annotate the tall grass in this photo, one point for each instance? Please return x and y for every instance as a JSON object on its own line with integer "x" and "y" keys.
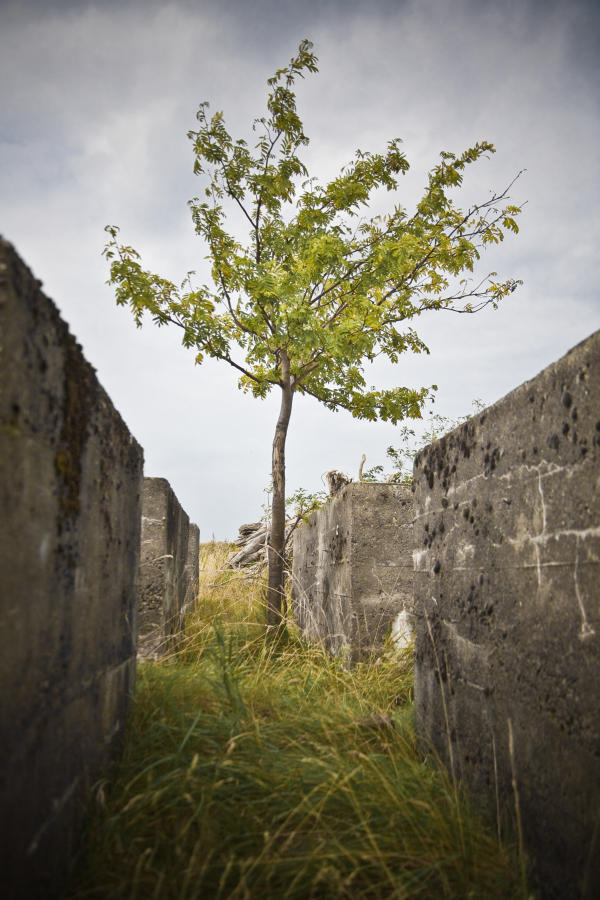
{"x": 256, "y": 768}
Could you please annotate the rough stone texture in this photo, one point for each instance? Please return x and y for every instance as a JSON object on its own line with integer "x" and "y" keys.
{"x": 352, "y": 570}
{"x": 507, "y": 595}
{"x": 192, "y": 567}
{"x": 70, "y": 485}
{"x": 164, "y": 568}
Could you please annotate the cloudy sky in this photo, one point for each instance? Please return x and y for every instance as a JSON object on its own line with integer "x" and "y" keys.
{"x": 96, "y": 99}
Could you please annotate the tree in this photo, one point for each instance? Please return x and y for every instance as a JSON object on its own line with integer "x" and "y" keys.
{"x": 319, "y": 290}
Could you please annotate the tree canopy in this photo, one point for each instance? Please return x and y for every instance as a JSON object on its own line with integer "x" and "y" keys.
{"x": 320, "y": 288}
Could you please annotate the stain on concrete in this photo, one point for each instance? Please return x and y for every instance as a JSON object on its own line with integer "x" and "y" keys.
{"x": 352, "y": 568}
{"x": 168, "y": 569}
{"x": 507, "y": 603}
{"x": 70, "y": 493}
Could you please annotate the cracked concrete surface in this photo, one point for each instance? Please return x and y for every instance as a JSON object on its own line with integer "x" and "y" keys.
{"x": 507, "y": 603}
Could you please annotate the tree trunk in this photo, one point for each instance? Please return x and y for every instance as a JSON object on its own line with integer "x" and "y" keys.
{"x": 275, "y": 593}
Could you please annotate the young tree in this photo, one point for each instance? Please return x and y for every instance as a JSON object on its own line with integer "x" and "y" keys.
{"x": 319, "y": 290}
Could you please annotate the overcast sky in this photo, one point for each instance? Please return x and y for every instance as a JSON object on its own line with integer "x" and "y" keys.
{"x": 96, "y": 100}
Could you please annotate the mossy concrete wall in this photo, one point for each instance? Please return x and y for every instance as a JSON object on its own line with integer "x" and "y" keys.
{"x": 507, "y": 596}
{"x": 352, "y": 568}
{"x": 70, "y": 485}
{"x": 168, "y": 568}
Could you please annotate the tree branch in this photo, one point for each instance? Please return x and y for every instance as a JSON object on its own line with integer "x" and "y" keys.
{"x": 237, "y": 199}
{"x": 244, "y": 371}
{"x": 255, "y": 224}
{"x": 309, "y": 367}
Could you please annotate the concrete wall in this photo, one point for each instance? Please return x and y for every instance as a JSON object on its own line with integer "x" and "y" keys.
{"x": 169, "y": 552}
{"x": 70, "y": 482}
{"x": 352, "y": 568}
{"x": 507, "y": 593}
{"x": 192, "y": 567}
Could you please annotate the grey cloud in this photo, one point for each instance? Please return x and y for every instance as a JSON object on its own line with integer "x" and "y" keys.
{"x": 96, "y": 102}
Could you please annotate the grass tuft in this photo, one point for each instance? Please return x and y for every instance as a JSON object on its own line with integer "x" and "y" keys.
{"x": 262, "y": 768}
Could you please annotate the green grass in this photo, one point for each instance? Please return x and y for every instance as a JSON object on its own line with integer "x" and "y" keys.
{"x": 256, "y": 768}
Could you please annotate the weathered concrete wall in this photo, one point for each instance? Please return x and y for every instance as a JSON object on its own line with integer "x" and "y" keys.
{"x": 169, "y": 547}
{"x": 507, "y": 593}
{"x": 70, "y": 484}
{"x": 352, "y": 569}
{"x": 192, "y": 567}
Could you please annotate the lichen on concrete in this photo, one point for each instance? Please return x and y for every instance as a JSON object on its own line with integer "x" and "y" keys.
{"x": 168, "y": 569}
{"x": 70, "y": 484}
{"x": 507, "y": 568}
{"x": 352, "y": 568}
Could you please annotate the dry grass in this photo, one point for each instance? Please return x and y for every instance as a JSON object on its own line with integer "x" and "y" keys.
{"x": 262, "y": 768}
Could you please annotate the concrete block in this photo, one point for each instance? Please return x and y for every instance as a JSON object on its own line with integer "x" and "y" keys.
{"x": 352, "y": 568}
{"x": 70, "y": 493}
{"x": 507, "y": 602}
{"x": 169, "y": 554}
{"x": 192, "y": 567}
